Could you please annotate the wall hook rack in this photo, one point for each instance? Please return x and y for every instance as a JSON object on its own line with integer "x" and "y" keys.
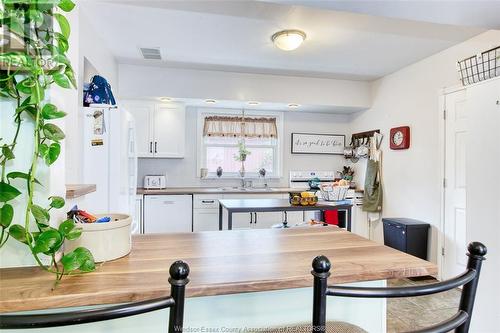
{"x": 363, "y": 135}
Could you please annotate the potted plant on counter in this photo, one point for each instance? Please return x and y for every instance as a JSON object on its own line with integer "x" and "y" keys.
{"x": 26, "y": 76}
{"x": 243, "y": 152}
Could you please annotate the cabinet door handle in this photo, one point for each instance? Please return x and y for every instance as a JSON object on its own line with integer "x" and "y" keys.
{"x": 251, "y": 217}
{"x": 207, "y": 201}
{"x": 151, "y": 147}
{"x": 255, "y": 218}
{"x": 156, "y": 146}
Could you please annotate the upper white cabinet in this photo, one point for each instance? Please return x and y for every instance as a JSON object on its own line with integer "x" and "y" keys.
{"x": 160, "y": 128}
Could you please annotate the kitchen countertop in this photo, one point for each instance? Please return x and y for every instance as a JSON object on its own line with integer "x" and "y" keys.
{"x": 221, "y": 262}
{"x": 219, "y": 190}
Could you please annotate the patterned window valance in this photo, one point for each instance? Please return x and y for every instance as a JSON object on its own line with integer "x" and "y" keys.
{"x": 235, "y": 126}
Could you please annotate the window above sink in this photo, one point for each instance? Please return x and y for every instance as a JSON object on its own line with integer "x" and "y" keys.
{"x": 220, "y": 149}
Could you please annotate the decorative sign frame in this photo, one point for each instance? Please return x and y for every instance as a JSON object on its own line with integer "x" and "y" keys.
{"x": 323, "y": 144}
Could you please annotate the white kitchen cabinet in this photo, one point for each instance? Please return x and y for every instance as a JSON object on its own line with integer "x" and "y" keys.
{"x": 160, "y": 128}
{"x": 167, "y": 213}
{"x": 265, "y": 220}
{"x": 169, "y": 125}
{"x": 205, "y": 220}
{"x": 206, "y": 212}
{"x": 137, "y": 224}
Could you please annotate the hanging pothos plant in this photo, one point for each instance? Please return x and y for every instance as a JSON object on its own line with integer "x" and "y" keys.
{"x": 25, "y": 77}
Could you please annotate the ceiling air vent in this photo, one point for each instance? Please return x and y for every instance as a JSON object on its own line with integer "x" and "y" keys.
{"x": 151, "y": 53}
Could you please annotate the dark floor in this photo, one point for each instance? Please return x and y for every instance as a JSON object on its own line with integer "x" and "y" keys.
{"x": 405, "y": 314}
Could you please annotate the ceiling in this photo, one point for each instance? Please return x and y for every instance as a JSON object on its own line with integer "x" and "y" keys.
{"x": 235, "y": 36}
{"x": 484, "y": 14}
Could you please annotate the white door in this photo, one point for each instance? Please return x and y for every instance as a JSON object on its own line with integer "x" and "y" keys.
{"x": 169, "y": 127}
{"x": 167, "y": 213}
{"x": 142, "y": 112}
{"x": 455, "y": 242}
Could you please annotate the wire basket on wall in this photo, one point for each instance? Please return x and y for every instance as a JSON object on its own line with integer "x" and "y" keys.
{"x": 480, "y": 67}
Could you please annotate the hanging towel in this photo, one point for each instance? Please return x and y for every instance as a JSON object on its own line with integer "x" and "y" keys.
{"x": 373, "y": 196}
{"x": 372, "y": 200}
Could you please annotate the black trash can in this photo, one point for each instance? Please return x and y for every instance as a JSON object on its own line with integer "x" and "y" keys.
{"x": 406, "y": 235}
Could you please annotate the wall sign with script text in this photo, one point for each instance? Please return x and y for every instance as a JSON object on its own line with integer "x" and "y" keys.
{"x": 308, "y": 143}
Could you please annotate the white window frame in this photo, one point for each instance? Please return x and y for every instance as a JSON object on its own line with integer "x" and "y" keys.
{"x": 201, "y": 151}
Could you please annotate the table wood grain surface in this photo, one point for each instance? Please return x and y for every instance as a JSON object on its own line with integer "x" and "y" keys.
{"x": 221, "y": 262}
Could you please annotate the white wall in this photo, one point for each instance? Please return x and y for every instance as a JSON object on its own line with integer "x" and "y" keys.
{"x": 410, "y": 97}
{"x": 183, "y": 172}
{"x": 91, "y": 50}
{"x": 145, "y": 81}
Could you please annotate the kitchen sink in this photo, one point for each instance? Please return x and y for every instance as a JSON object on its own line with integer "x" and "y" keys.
{"x": 248, "y": 189}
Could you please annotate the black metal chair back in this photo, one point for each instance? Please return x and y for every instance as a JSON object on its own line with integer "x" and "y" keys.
{"x": 179, "y": 272}
{"x": 460, "y": 322}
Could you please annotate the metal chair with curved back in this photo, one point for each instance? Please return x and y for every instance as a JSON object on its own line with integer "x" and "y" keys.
{"x": 178, "y": 280}
{"x": 460, "y": 322}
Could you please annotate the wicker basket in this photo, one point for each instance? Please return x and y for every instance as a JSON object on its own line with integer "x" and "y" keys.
{"x": 334, "y": 193}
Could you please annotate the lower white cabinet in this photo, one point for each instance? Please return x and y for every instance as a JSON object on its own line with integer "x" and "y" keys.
{"x": 137, "y": 222}
{"x": 167, "y": 213}
{"x": 205, "y": 220}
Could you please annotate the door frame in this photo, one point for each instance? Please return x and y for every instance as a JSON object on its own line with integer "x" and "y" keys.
{"x": 442, "y": 171}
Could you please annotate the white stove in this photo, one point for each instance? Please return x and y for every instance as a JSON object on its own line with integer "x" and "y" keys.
{"x": 300, "y": 179}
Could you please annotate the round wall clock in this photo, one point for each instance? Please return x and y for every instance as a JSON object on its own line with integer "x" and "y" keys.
{"x": 400, "y": 137}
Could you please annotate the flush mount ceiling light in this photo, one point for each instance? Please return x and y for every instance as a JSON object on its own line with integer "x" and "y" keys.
{"x": 210, "y": 101}
{"x": 288, "y": 40}
{"x": 165, "y": 99}
{"x": 253, "y": 103}
{"x": 293, "y": 105}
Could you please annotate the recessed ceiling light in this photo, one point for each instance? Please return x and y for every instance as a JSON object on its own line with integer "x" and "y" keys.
{"x": 293, "y": 105}
{"x": 288, "y": 40}
{"x": 210, "y": 101}
{"x": 165, "y": 99}
{"x": 253, "y": 103}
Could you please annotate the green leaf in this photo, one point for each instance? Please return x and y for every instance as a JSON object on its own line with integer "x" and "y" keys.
{"x": 71, "y": 75}
{"x": 48, "y": 242}
{"x": 25, "y": 86}
{"x": 18, "y": 174}
{"x": 49, "y": 111}
{"x": 80, "y": 258}
{"x": 56, "y": 202}
{"x": 66, "y": 5}
{"x": 7, "y": 152}
{"x": 36, "y": 16}
{"x": 62, "y": 42}
{"x": 19, "y": 233}
{"x": 43, "y": 149}
{"x": 6, "y": 215}
{"x": 74, "y": 234}
{"x": 52, "y": 153}
{"x": 53, "y": 132}
{"x": 69, "y": 230}
{"x": 67, "y": 226}
{"x": 41, "y": 215}
{"x": 63, "y": 25}
{"x": 61, "y": 80}
{"x": 8, "y": 192}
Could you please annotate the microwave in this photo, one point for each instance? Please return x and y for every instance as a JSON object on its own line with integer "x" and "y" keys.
{"x": 155, "y": 182}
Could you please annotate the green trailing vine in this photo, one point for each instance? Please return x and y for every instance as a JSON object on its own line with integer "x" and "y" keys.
{"x": 25, "y": 77}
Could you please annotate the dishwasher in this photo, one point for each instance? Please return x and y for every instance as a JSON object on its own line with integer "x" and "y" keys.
{"x": 168, "y": 213}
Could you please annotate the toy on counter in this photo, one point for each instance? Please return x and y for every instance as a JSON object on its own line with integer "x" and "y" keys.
{"x": 81, "y": 216}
